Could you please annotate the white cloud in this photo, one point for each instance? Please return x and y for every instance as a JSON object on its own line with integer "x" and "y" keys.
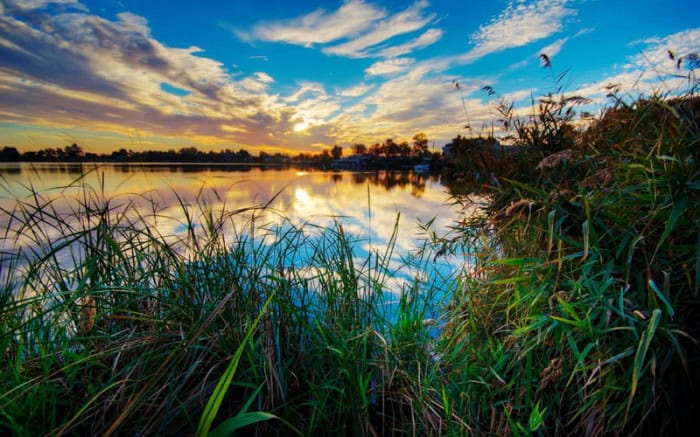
{"x": 264, "y": 77}
{"x": 356, "y": 28}
{"x": 429, "y": 37}
{"x": 651, "y": 70}
{"x": 355, "y": 91}
{"x": 584, "y": 31}
{"x": 39, "y": 4}
{"x": 319, "y": 27}
{"x": 656, "y": 53}
{"x": 410, "y": 20}
{"x": 306, "y": 87}
{"x": 356, "y": 108}
{"x": 133, "y": 23}
{"x": 522, "y": 24}
{"x": 553, "y": 49}
{"x": 389, "y": 67}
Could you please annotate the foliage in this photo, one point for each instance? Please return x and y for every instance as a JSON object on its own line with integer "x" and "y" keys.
{"x": 581, "y": 315}
{"x": 111, "y": 326}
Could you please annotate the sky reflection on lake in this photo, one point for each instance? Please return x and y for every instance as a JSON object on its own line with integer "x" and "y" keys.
{"x": 367, "y": 205}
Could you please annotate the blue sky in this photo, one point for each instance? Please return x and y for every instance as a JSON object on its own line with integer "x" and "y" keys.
{"x": 302, "y": 76}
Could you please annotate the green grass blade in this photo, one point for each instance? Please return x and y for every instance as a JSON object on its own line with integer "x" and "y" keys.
{"x": 217, "y": 397}
{"x": 229, "y": 426}
{"x": 642, "y": 349}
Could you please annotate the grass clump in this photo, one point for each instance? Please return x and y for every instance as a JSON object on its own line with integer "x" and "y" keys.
{"x": 110, "y": 324}
{"x": 581, "y": 317}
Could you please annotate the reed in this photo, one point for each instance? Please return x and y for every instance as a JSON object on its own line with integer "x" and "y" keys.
{"x": 109, "y": 325}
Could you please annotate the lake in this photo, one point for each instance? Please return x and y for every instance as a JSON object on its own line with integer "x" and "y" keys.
{"x": 368, "y": 205}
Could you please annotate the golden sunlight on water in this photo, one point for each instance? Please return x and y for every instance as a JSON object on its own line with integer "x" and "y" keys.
{"x": 367, "y": 205}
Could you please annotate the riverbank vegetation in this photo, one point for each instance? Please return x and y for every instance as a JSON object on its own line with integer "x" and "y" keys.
{"x": 387, "y": 151}
{"x": 577, "y": 315}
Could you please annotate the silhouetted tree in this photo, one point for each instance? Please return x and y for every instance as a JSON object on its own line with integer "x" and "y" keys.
{"x": 336, "y": 152}
{"x": 359, "y": 149}
{"x": 420, "y": 144}
{"x": 9, "y": 154}
{"x": 73, "y": 152}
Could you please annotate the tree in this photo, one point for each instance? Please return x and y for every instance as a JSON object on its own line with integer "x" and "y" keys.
{"x": 9, "y": 154}
{"x": 336, "y": 152}
{"x": 390, "y": 148}
{"x": 420, "y": 144}
{"x": 404, "y": 149}
{"x": 189, "y": 154}
{"x": 359, "y": 149}
{"x": 73, "y": 152}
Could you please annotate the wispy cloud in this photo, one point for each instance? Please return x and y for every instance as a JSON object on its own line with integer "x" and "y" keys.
{"x": 650, "y": 71}
{"x": 304, "y": 88}
{"x": 29, "y": 5}
{"x": 71, "y": 70}
{"x": 410, "y": 20}
{"x": 522, "y": 23}
{"x": 357, "y": 29}
{"x": 389, "y": 67}
{"x": 429, "y": 37}
{"x": 554, "y": 48}
{"x": 355, "y": 91}
{"x": 319, "y": 26}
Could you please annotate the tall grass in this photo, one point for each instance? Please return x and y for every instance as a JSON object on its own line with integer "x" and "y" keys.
{"x": 110, "y": 325}
{"x": 578, "y": 312}
{"x": 581, "y": 317}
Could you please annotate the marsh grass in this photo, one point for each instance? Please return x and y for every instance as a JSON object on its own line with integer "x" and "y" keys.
{"x": 577, "y": 313}
{"x": 581, "y": 317}
{"x": 112, "y": 325}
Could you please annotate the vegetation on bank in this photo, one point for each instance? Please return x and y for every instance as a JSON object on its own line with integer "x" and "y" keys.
{"x": 579, "y": 314}
{"x": 388, "y": 150}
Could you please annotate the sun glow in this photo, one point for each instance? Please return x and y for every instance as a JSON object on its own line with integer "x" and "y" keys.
{"x": 298, "y": 127}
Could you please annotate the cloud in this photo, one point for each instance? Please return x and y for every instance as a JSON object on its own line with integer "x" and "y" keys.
{"x": 584, "y": 31}
{"x": 429, "y": 37}
{"x": 29, "y": 5}
{"x": 355, "y": 91}
{"x": 553, "y": 49}
{"x": 319, "y": 26}
{"x": 410, "y": 20}
{"x": 655, "y": 54}
{"x": 389, "y": 67}
{"x": 520, "y": 25}
{"x": 70, "y": 70}
{"x": 356, "y": 29}
{"x": 264, "y": 77}
{"x": 304, "y": 88}
{"x": 651, "y": 71}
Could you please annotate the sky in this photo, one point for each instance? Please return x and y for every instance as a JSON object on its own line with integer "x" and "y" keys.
{"x": 302, "y": 76}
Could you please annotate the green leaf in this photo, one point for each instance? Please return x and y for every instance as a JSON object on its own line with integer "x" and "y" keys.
{"x": 642, "y": 349}
{"x": 660, "y": 295}
{"x": 517, "y": 261}
{"x": 678, "y": 209}
{"x": 229, "y": 426}
{"x": 222, "y": 386}
{"x": 536, "y": 417}
{"x": 586, "y": 237}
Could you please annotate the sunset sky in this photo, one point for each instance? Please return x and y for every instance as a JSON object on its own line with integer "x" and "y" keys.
{"x": 302, "y": 76}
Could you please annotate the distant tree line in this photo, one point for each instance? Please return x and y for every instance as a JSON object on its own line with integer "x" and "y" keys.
{"x": 389, "y": 149}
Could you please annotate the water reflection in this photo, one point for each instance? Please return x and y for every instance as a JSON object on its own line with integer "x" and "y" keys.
{"x": 368, "y": 205}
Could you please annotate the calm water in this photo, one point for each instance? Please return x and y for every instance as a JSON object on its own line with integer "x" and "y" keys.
{"x": 366, "y": 204}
